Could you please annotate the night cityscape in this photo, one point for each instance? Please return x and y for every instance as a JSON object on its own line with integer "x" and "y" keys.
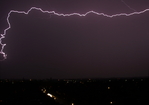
{"x": 68, "y": 52}
{"x": 114, "y": 91}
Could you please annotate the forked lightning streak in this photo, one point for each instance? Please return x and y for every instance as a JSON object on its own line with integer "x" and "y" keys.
{"x": 58, "y": 14}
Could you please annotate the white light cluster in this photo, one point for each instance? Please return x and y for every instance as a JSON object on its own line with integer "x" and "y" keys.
{"x": 50, "y": 95}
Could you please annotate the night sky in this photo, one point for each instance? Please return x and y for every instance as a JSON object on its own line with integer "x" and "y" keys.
{"x": 48, "y": 46}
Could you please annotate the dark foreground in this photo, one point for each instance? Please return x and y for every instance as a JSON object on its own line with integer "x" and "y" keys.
{"x": 132, "y": 91}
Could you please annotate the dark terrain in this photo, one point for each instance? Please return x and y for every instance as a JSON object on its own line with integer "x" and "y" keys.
{"x": 117, "y": 91}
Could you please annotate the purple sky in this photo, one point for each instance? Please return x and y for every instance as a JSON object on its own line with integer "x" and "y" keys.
{"x": 43, "y": 45}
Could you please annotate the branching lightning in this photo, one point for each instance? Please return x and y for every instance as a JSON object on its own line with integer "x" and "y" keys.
{"x": 58, "y": 14}
{"x": 128, "y": 5}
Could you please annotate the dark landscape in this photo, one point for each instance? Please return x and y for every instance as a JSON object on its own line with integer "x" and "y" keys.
{"x": 116, "y": 91}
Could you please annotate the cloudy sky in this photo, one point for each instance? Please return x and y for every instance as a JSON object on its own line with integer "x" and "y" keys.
{"x": 49, "y": 46}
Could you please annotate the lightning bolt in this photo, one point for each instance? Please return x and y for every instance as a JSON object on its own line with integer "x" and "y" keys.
{"x": 58, "y": 14}
{"x": 127, "y": 5}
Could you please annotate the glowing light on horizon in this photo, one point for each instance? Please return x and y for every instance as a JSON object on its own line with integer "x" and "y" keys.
{"x": 58, "y": 14}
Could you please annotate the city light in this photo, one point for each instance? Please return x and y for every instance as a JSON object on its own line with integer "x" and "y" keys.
{"x": 108, "y": 87}
{"x": 49, "y": 95}
{"x": 44, "y": 90}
